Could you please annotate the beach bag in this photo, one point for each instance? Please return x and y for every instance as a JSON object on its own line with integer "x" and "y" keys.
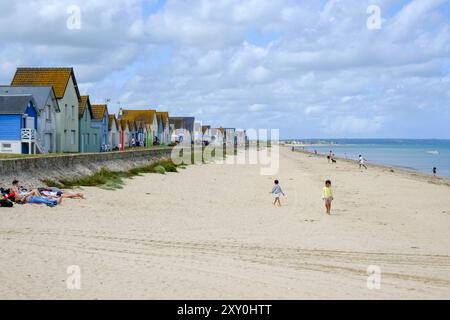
{"x": 6, "y": 204}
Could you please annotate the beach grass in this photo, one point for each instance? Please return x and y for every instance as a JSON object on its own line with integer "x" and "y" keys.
{"x": 112, "y": 180}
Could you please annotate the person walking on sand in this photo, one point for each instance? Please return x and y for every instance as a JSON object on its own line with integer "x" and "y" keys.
{"x": 330, "y": 156}
{"x": 362, "y": 162}
{"x": 277, "y": 193}
{"x": 327, "y": 196}
{"x": 434, "y": 171}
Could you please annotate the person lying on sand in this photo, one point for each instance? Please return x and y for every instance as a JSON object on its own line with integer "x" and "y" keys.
{"x": 58, "y": 193}
{"x": 21, "y": 193}
{"x": 23, "y": 196}
{"x": 40, "y": 200}
{"x": 277, "y": 193}
{"x": 327, "y": 196}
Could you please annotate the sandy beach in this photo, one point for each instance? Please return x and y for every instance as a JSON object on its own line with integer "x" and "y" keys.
{"x": 211, "y": 232}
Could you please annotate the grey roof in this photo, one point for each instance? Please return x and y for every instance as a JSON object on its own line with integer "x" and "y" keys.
{"x": 183, "y": 122}
{"x": 15, "y": 104}
{"x": 40, "y": 94}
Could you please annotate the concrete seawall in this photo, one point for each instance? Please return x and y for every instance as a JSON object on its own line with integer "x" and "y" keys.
{"x": 31, "y": 171}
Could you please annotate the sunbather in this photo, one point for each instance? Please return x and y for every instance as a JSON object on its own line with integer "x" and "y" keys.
{"x": 58, "y": 193}
{"x": 21, "y": 193}
{"x": 41, "y": 200}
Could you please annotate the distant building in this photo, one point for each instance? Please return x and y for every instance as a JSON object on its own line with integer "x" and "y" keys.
{"x": 66, "y": 91}
{"x": 113, "y": 132}
{"x": 230, "y": 136}
{"x": 181, "y": 126}
{"x": 89, "y": 133}
{"x": 206, "y": 134}
{"x": 218, "y": 136}
{"x": 18, "y": 122}
{"x": 147, "y": 123}
{"x": 164, "y": 127}
{"x": 47, "y": 107}
{"x": 206, "y": 129}
{"x": 241, "y": 138}
{"x": 100, "y": 120}
{"x": 133, "y": 133}
{"x": 125, "y": 136}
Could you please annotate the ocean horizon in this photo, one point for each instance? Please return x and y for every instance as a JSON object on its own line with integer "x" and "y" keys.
{"x": 420, "y": 155}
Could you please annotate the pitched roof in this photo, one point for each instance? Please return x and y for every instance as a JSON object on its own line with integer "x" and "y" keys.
{"x": 85, "y": 102}
{"x": 164, "y": 116}
{"x": 140, "y": 124}
{"x": 146, "y": 116}
{"x": 205, "y": 128}
{"x": 131, "y": 125}
{"x": 183, "y": 122}
{"x": 112, "y": 120}
{"x": 40, "y": 94}
{"x": 123, "y": 124}
{"x": 98, "y": 111}
{"x": 15, "y": 104}
{"x": 58, "y": 78}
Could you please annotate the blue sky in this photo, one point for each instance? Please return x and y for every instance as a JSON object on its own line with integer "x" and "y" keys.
{"x": 309, "y": 68}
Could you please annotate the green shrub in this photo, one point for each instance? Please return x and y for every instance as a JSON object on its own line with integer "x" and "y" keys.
{"x": 170, "y": 166}
{"x": 159, "y": 169}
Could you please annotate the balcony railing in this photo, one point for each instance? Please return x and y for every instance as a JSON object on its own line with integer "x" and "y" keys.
{"x": 28, "y": 135}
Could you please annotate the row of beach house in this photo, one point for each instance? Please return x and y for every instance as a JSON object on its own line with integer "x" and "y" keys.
{"x": 42, "y": 111}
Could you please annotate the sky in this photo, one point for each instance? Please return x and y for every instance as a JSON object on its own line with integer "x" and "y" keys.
{"x": 312, "y": 69}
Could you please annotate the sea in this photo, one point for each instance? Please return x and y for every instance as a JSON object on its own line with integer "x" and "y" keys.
{"x": 414, "y": 155}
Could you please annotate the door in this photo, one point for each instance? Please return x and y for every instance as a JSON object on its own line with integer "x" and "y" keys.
{"x": 82, "y": 143}
{"x": 48, "y": 142}
{"x": 29, "y": 123}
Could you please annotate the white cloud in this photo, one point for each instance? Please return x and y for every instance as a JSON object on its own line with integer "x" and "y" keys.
{"x": 312, "y": 69}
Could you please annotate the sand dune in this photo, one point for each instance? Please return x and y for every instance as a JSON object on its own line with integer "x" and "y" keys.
{"x": 211, "y": 232}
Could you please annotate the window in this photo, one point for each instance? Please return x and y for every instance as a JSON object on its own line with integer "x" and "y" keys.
{"x": 94, "y": 141}
{"x": 48, "y": 113}
{"x": 6, "y": 147}
{"x": 87, "y": 138}
{"x": 72, "y": 136}
{"x": 73, "y": 112}
{"x": 66, "y": 115}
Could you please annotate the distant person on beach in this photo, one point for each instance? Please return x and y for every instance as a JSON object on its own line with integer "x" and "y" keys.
{"x": 333, "y": 160}
{"x": 434, "y": 172}
{"x": 330, "y": 156}
{"x": 362, "y": 162}
{"x": 327, "y": 196}
{"x": 277, "y": 193}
